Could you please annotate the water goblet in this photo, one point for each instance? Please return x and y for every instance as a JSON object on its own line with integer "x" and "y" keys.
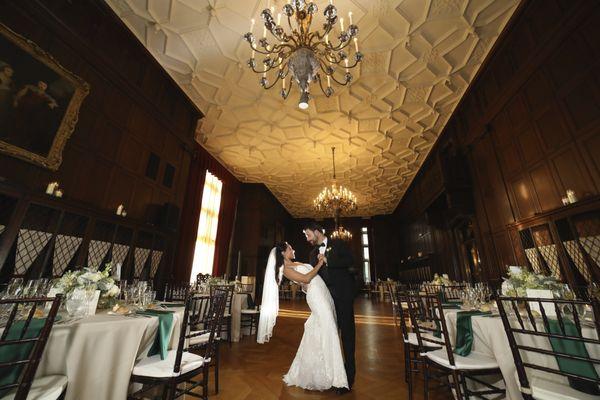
{"x": 75, "y": 303}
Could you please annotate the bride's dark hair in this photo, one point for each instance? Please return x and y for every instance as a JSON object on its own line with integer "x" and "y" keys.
{"x": 280, "y": 247}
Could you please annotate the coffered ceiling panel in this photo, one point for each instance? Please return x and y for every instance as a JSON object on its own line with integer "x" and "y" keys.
{"x": 420, "y": 56}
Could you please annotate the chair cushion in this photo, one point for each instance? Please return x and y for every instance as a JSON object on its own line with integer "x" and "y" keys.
{"x": 545, "y": 387}
{"x": 154, "y": 367}
{"x": 200, "y": 339}
{"x": 474, "y": 361}
{"x": 48, "y": 387}
{"x": 226, "y": 315}
{"x": 250, "y": 311}
{"x": 412, "y": 339}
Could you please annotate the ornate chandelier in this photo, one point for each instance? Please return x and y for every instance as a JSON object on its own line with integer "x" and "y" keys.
{"x": 336, "y": 200}
{"x": 307, "y": 55}
{"x": 341, "y": 233}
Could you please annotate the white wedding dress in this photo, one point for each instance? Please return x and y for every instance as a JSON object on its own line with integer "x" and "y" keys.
{"x": 318, "y": 364}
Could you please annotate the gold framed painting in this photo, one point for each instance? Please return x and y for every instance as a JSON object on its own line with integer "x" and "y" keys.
{"x": 39, "y": 101}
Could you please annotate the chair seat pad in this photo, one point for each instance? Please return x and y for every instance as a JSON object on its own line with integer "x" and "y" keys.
{"x": 475, "y": 361}
{"x": 154, "y": 367}
{"x": 226, "y": 315}
{"x": 48, "y": 387}
{"x": 545, "y": 387}
{"x": 251, "y": 311}
{"x": 412, "y": 339}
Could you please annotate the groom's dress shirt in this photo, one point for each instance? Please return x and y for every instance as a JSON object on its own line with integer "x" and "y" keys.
{"x": 323, "y": 246}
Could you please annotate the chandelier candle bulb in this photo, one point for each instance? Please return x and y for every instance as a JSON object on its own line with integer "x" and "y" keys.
{"x": 350, "y": 17}
{"x": 278, "y": 19}
{"x": 342, "y": 24}
{"x": 356, "y": 44}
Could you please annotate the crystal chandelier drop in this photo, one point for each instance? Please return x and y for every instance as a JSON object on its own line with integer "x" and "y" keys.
{"x": 336, "y": 200}
{"x": 307, "y": 55}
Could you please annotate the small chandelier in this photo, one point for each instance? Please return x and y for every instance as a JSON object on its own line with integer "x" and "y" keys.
{"x": 336, "y": 199}
{"x": 341, "y": 233}
{"x": 307, "y": 55}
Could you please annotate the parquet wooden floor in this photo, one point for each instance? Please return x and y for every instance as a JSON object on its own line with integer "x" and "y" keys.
{"x": 250, "y": 371}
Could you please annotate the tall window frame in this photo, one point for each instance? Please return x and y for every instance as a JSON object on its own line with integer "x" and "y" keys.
{"x": 204, "y": 252}
{"x": 364, "y": 239}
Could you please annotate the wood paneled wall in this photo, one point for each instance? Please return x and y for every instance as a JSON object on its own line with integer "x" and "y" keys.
{"x": 134, "y": 109}
{"x": 260, "y": 221}
{"x": 529, "y": 128}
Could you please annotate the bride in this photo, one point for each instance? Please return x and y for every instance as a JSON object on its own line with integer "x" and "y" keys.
{"x": 318, "y": 364}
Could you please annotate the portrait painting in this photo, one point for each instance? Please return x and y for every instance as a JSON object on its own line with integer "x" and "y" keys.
{"x": 39, "y": 101}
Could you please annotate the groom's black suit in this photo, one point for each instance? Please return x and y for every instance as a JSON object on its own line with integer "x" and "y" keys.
{"x": 340, "y": 282}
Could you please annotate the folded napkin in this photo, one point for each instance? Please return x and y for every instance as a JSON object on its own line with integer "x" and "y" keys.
{"x": 173, "y": 304}
{"x": 452, "y": 306}
{"x": 163, "y": 334}
{"x": 573, "y": 348}
{"x": 18, "y": 351}
{"x": 464, "y": 332}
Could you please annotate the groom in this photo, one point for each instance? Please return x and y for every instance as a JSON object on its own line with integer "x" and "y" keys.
{"x": 340, "y": 282}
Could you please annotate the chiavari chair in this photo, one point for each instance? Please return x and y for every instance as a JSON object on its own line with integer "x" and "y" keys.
{"x": 551, "y": 341}
{"x": 22, "y": 344}
{"x": 412, "y": 349}
{"x": 176, "y": 291}
{"x": 181, "y": 365}
{"x": 228, "y": 290}
{"x": 393, "y": 288}
{"x": 198, "y": 313}
{"x": 441, "y": 363}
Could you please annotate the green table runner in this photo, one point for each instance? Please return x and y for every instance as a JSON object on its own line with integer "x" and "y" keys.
{"x": 19, "y": 351}
{"x": 464, "y": 332}
{"x": 573, "y": 348}
{"x": 163, "y": 334}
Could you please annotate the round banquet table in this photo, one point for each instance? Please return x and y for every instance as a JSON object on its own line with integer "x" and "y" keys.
{"x": 240, "y": 302}
{"x": 97, "y": 353}
{"x": 489, "y": 338}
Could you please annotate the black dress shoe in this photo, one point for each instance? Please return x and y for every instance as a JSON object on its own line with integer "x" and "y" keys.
{"x": 342, "y": 390}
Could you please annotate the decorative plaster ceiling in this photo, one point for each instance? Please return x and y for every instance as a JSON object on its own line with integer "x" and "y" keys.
{"x": 420, "y": 57}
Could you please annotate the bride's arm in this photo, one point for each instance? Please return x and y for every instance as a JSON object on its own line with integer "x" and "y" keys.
{"x": 296, "y": 276}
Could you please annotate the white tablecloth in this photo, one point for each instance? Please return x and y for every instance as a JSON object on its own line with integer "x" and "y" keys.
{"x": 490, "y": 339}
{"x": 98, "y": 353}
{"x": 240, "y": 302}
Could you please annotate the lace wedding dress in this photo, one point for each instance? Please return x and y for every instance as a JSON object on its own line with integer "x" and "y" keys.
{"x": 318, "y": 364}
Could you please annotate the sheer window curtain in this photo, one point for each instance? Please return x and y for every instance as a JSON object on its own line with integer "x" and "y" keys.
{"x": 204, "y": 253}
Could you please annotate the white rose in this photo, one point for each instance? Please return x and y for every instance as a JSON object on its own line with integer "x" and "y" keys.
{"x": 113, "y": 291}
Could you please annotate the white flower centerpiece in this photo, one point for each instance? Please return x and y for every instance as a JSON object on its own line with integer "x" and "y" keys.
{"x": 90, "y": 278}
{"x": 441, "y": 280}
{"x": 520, "y": 280}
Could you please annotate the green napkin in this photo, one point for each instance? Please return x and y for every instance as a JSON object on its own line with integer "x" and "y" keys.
{"x": 464, "y": 332}
{"x": 19, "y": 351}
{"x": 573, "y": 348}
{"x": 163, "y": 334}
{"x": 438, "y": 329}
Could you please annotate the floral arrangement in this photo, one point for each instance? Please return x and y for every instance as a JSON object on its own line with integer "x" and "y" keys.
{"x": 86, "y": 277}
{"x": 519, "y": 280}
{"x": 217, "y": 281}
{"x": 441, "y": 280}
